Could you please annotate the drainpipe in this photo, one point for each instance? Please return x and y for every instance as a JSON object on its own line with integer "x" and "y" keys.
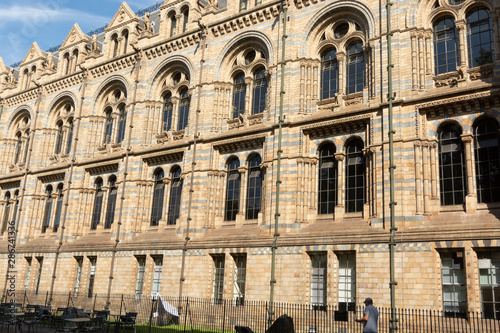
{"x": 392, "y": 203}
{"x": 284, "y": 7}
{"x": 70, "y": 181}
{"x": 125, "y": 173}
{"x": 26, "y": 171}
{"x": 203, "y": 35}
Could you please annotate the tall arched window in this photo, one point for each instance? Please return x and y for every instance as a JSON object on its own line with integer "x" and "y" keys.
{"x": 158, "y": 197}
{"x": 254, "y": 188}
{"x": 99, "y": 194}
{"x": 327, "y": 188}
{"x": 487, "y": 159}
{"x": 59, "y": 137}
{"x": 355, "y": 67}
{"x": 125, "y": 41}
{"x": 70, "y": 135}
{"x": 239, "y": 93}
{"x": 19, "y": 147}
{"x": 329, "y": 74}
{"x": 232, "y": 190}
{"x": 480, "y": 37}
{"x": 66, "y": 64}
{"x": 48, "y": 209}
{"x": 174, "y": 206}
{"x": 6, "y": 212}
{"x": 451, "y": 165}
{"x": 108, "y": 132}
{"x": 259, "y": 91}
{"x": 445, "y": 45}
{"x": 183, "y": 109}
{"x": 110, "y": 209}
{"x": 114, "y": 40}
{"x": 122, "y": 121}
{"x": 185, "y": 14}
{"x": 75, "y": 60}
{"x": 59, "y": 205}
{"x": 168, "y": 108}
{"x": 16, "y": 205}
{"x": 173, "y": 25}
{"x": 355, "y": 177}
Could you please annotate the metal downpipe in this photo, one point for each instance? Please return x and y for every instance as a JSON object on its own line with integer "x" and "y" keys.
{"x": 392, "y": 243}
{"x": 284, "y": 7}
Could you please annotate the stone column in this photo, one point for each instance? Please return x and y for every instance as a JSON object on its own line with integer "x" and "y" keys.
{"x": 425, "y": 155}
{"x": 414, "y": 68}
{"x": 243, "y": 191}
{"x": 340, "y": 208}
{"x": 470, "y": 199}
{"x": 175, "y": 112}
{"x": 462, "y": 42}
{"x": 341, "y": 58}
{"x": 418, "y": 177}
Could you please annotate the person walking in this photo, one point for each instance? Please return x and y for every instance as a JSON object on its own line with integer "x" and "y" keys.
{"x": 370, "y": 317}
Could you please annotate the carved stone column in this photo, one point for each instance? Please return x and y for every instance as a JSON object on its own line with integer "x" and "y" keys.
{"x": 428, "y": 52}
{"x": 462, "y": 40}
{"x": 470, "y": 199}
{"x": 418, "y": 177}
{"x": 243, "y": 190}
{"x": 248, "y": 95}
{"x": 426, "y": 167}
{"x": 341, "y": 58}
{"x": 340, "y": 208}
{"x": 175, "y": 112}
{"x": 421, "y": 61}
{"x": 433, "y": 145}
{"x": 414, "y": 53}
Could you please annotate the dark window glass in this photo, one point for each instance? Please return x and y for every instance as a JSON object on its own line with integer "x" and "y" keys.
{"x": 122, "y": 121}
{"x": 175, "y": 197}
{"x": 218, "y": 280}
{"x": 453, "y": 284}
{"x": 115, "y": 46}
{"x": 487, "y": 158}
{"x": 451, "y": 166}
{"x": 186, "y": 20}
{"x": 125, "y": 41}
{"x": 173, "y": 26}
{"x": 167, "y": 112}
{"x": 26, "y": 147}
{"x": 445, "y": 46}
{"x": 489, "y": 283}
{"x": 110, "y": 210}
{"x": 158, "y": 196}
{"x": 243, "y": 5}
{"x": 6, "y": 213}
{"x": 108, "y": 127}
{"x": 355, "y": 68}
{"x": 327, "y": 196}
{"x": 355, "y": 177}
{"x": 239, "y": 93}
{"x": 259, "y": 91}
{"x": 254, "y": 189}
{"x": 96, "y": 214}
{"x": 184, "y": 110}
{"x": 48, "y": 210}
{"x": 59, "y": 204}
{"x": 19, "y": 146}
{"x": 341, "y": 30}
{"x": 59, "y": 138}
{"x": 480, "y": 38}
{"x": 232, "y": 191}
{"x": 318, "y": 279}
{"x": 240, "y": 269}
{"x": 70, "y": 136}
{"x": 329, "y": 74}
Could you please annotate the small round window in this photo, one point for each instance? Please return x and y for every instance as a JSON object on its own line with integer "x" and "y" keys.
{"x": 456, "y": 2}
{"x": 341, "y": 30}
{"x": 249, "y": 57}
{"x": 177, "y": 78}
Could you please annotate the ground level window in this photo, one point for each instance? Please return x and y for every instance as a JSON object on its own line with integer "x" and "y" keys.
{"x": 347, "y": 281}
{"x": 453, "y": 284}
{"x": 489, "y": 282}
{"x": 318, "y": 278}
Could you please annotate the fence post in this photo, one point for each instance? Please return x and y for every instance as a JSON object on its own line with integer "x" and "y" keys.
{"x": 69, "y": 296}
{"x": 121, "y": 305}
{"x": 95, "y": 299}
{"x": 186, "y": 314}
{"x": 224, "y": 315}
{"x": 46, "y": 296}
{"x": 151, "y": 314}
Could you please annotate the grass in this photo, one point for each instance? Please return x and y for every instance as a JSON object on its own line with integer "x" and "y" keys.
{"x": 175, "y": 329}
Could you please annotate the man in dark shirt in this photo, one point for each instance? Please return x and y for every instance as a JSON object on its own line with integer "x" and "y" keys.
{"x": 370, "y": 317}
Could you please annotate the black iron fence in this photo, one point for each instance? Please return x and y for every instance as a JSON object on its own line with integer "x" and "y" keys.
{"x": 205, "y": 315}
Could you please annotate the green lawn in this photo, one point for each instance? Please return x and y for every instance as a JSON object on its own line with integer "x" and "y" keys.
{"x": 175, "y": 329}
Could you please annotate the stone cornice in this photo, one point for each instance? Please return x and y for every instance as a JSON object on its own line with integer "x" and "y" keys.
{"x": 245, "y": 142}
{"x": 102, "y": 168}
{"x": 164, "y": 157}
{"x": 344, "y": 124}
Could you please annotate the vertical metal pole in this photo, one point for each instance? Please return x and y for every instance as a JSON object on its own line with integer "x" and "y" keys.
{"x": 284, "y": 7}
{"x": 392, "y": 203}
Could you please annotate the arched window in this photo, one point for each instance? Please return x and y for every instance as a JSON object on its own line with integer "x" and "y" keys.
{"x": 445, "y": 45}
{"x": 174, "y": 206}
{"x": 19, "y": 147}
{"x": 243, "y": 5}
{"x": 168, "y": 108}
{"x": 487, "y": 159}
{"x": 59, "y": 137}
{"x": 451, "y": 165}
{"x": 327, "y": 196}
{"x": 110, "y": 209}
{"x": 59, "y": 206}
{"x": 254, "y": 188}
{"x": 480, "y": 37}
{"x": 75, "y": 60}
{"x": 158, "y": 197}
{"x": 99, "y": 194}
{"x": 239, "y": 93}
{"x": 259, "y": 91}
{"x": 48, "y": 209}
{"x": 355, "y": 177}
{"x": 355, "y": 67}
{"x": 173, "y": 25}
{"x": 6, "y": 212}
{"x": 114, "y": 40}
{"x": 185, "y": 14}
{"x": 125, "y": 41}
{"x": 70, "y": 136}
{"x": 122, "y": 121}
{"x": 232, "y": 190}
{"x": 108, "y": 126}
{"x": 183, "y": 109}
{"x": 16, "y": 204}
{"x": 329, "y": 74}
{"x": 26, "y": 78}
{"x": 66, "y": 64}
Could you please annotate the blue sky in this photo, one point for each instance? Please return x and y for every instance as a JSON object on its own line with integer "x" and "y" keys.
{"x": 48, "y": 22}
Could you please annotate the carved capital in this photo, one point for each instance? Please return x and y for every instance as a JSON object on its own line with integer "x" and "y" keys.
{"x": 340, "y": 156}
{"x": 466, "y": 138}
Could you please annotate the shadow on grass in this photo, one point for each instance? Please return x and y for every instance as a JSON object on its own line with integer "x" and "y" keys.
{"x": 175, "y": 329}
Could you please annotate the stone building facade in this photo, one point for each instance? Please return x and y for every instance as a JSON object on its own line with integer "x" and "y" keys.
{"x": 143, "y": 158}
